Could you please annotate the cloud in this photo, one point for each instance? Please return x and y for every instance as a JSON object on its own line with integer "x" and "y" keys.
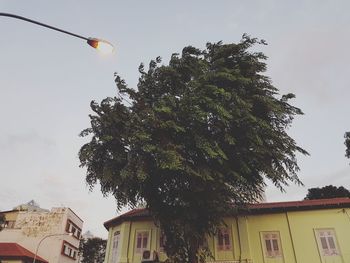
{"x": 23, "y": 139}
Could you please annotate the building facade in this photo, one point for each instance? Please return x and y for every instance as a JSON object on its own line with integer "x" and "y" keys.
{"x": 56, "y": 232}
{"x": 310, "y": 231}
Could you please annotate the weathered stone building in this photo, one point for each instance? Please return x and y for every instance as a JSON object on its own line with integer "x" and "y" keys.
{"x": 54, "y": 233}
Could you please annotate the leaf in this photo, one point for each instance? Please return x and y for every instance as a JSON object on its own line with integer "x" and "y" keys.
{"x": 195, "y": 139}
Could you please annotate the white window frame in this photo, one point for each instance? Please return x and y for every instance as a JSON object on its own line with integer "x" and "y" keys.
{"x": 73, "y": 228}
{"x": 69, "y": 250}
{"x": 271, "y": 242}
{"x": 143, "y": 233}
{"x": 225, "y": 234}
{"x": 327, "y": 242}
{"x": 115, "y": 246}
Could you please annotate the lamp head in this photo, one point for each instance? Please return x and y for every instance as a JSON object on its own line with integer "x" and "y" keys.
{"x": 101, "y": 45}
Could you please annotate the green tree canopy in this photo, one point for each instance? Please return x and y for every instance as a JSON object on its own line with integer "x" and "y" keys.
{"x": 92, "y": 250}
{"x": 325, "y": 192}
{"x": 195, "y": 137}
{"x": 2, "y": 221}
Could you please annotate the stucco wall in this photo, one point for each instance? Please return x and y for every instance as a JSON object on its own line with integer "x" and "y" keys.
{"x": 296, "y": 232}
{"x": 303, "y": 226}
{"x": 11, "y": 216}
{"x": 31, "y": 227}
{"x": 33, "y": 224}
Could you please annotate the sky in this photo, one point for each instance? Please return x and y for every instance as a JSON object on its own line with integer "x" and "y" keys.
{"x": 48, "y": 79}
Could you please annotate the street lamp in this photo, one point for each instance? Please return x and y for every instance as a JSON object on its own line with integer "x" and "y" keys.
{"x": 99, "y": 44}
{"x": 52, "y": 235}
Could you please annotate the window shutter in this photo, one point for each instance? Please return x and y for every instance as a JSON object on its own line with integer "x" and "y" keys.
{"x": 145, "y": 240}
{"x": 224, "y": 240}
{"x": 139, "y": 240}
{"x": 272, "y": 247}
{"x": 327, "y": 242}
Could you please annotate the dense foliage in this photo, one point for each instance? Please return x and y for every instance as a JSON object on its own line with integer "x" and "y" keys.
{"x": 195, "y": 137}
{"x": 328, "y": 191}
{"x": 2, "y": 221}
{"x": 347, "y": 144}
{"x": 92, "y": 250}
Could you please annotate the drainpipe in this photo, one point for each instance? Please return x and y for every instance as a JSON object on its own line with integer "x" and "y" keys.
{"x": 239, "y": 240}
{"x": 346, "y": 212}
{"x": 127, "y": 251}
{"x": 291, "y": 237}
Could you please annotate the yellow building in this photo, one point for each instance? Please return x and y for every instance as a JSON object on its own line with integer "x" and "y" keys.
{"x": 310, "y": 231}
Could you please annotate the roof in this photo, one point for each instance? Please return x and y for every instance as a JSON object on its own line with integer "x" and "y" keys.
{"x": 30, "y": 206}
{"x": 258, "y": 208}
{"x": 303, "y": 205}
{"x": 137, "y": 213}
{"x": 15, "y": 251}
{"x": 76, "y": 215}
{"x": 8, "y": 211}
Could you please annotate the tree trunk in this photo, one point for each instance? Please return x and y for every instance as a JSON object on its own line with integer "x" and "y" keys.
{"x": 193, "y": 251}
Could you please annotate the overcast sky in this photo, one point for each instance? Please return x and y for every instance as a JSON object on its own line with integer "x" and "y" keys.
{"x": 48, "y": 79}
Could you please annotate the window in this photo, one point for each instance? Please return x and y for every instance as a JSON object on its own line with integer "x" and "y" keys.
{"x": 272, "y": 244}
{"x": 73, "y": 228}
{"x": 10, "y": 224}
{"x": 224, "y": 239}
{"x": 141, "y": 241}
{"x": 115, "y": 250}
{"x": 327, "y": 242}
{"x": 162, "y": 240}
{"x": 69, "y": 250}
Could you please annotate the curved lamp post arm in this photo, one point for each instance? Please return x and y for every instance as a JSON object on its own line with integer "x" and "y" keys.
{"x": 52, "y": 235}
{"x": 97, "y": 43}
{"x": 42, "y": 24}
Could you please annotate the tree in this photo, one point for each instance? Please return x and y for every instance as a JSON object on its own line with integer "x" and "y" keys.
{"x": 197, "y": 136}
{"x": 347, "y": 144}
{"x": 2, "y": 221}
{"x": 325, "y": 192}
{"x": 92, "y": 250}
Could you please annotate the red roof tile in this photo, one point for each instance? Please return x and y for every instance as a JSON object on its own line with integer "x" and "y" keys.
{"x": 13, "y": 250}
{"x": 303, "y": 203}
{"x": 134, "y": 213}
{"x": 258, "y": 208}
